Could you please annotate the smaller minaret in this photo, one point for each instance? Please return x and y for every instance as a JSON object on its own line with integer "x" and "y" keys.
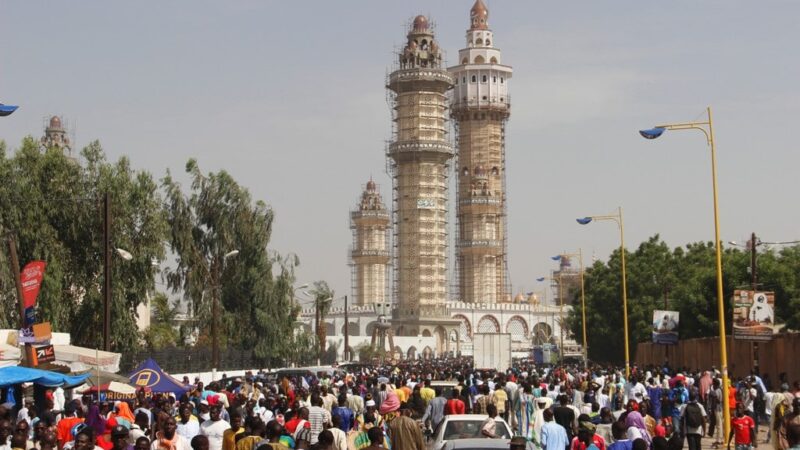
{"x": 369, "y": 256}
{"x": 55, "y": 135}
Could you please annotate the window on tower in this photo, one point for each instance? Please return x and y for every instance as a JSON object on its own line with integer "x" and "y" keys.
{"x": 474, "y": 79}
{"x": 483, "y": 79}
{"x": 501, "y": 80}
{"x": 494, "y": 79}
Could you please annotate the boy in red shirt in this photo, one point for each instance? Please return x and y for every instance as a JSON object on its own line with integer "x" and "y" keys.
{"x": 743, "y": 428}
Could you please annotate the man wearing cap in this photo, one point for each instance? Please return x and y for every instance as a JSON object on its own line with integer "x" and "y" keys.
{"x": 119, "y": 438}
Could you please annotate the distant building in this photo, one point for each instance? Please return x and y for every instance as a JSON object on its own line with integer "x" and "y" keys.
{"x": 55, "y": 135}
{"x": 369, "y": 254}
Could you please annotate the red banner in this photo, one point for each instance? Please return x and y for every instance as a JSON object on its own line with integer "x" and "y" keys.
{"x": 31, "y": 279}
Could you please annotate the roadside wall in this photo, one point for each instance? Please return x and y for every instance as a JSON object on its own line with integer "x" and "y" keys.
{"x": 781, "y": 354}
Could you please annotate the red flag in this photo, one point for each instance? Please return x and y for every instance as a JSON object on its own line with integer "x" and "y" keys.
{"x": 31, "y": 279}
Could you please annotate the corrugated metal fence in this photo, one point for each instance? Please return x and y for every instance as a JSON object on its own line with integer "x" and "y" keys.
{"x": 781, "y": 354}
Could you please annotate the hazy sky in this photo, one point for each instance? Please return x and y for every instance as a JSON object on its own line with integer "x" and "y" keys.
{"x": 289, "y": 97}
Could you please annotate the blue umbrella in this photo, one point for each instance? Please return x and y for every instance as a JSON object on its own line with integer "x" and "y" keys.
{"x": 7, "y": 109}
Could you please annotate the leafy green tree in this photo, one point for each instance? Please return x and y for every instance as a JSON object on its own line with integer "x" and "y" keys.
{"x": 323, "y": 299}
{"x": 216, "y": 217}
{"x": 162, "y": 331}
{"x": 53, "y": 204}
{"x": 682, "y": 279}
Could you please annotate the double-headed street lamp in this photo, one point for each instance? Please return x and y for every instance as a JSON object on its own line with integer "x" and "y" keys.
{"x": 708, "y": 130}
{"x": 583, "y": 300}
{"x": 562, "y": 324}
{"x": 621, "y": 225}
{"x": 6, "y": 110}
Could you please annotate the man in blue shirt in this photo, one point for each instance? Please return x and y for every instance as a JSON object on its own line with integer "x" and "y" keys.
{"x": 553, "y": 435}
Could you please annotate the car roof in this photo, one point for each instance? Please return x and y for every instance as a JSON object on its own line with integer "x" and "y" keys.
{"x": 478, "y": 443}
{"x": 454, "y": 417}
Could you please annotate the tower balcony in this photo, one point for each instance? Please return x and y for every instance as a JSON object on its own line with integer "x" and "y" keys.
{"x": 481, "y": 246}
{"x": 420, "y": 79}
{"x": 437, "y": 150}
{"x": 368, "y": 256}
{"x": 461, "y": 106}
{"x": 480, "y": 204}
{"x": 369, "y": 217}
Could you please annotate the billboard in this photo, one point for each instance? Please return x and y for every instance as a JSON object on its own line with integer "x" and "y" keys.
{"x": 753, "y": 315}
{"x": 665, "y": 327}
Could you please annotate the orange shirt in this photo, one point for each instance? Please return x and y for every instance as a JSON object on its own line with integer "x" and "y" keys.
{"x": 64, "y": 428}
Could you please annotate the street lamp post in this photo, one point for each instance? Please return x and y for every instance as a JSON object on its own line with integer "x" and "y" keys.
{"x": 621, "y": 224}
{"x": 708, "y": 130}
{"x": 583, "y": 301}
{"x": 216, "y": 269}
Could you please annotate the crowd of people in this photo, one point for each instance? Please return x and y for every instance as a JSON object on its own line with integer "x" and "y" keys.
{"x": 396, "y": 407}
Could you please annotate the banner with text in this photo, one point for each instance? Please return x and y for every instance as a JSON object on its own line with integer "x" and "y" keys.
{"x": 31, "y": 280}
{"x": 753, "y": 315}
{"x": 665, "y": 327}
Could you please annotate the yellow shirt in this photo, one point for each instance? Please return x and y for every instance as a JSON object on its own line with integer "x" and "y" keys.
{"x": 229, "y": 438}
{"x": 427, "y": 394}
{"x": 401, "y": 395}
{"x": 499, "y": 399}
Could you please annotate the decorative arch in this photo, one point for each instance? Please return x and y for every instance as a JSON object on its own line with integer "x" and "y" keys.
{"x": 427, "y": 353}
{"x": 488, "y": 324}
{"x": 493, "y": 59}
{"x": 479, "y": 41}
{"x": 412, "y": 353}
{"x": 542, "y": 334}
{"x": 330, "y": 329}
{"x": 352, "y": 329}
{"x": 426, "y": 333}
{"x": 517, "y": 328}
{"x": 464, "y": 329}
{"x": 453, "y": 336}
{"x": 465, "y": 61}
{"x": 441, "y": 339}
{"x": 479, "y": 59}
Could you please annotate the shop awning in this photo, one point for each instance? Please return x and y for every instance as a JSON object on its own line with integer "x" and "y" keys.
{"x": 10, "y": 376}
{"x": 82, "y": 358}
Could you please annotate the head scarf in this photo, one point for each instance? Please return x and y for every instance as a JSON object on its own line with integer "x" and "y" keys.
{"x": 94, "y": 420}
{"x": 124, "y": 411}
{"x": 635, "y": 420}
{"x": 391, "y": 404}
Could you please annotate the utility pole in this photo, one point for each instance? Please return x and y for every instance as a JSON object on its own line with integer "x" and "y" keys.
{"x": 561, "y": 314}
{"x": 12, "y": 251}
{"x": 106, "y": 272}
{"x": 316, "y": 329}
{"x": 754, "y": 286}
{"x": 346, "y": 332}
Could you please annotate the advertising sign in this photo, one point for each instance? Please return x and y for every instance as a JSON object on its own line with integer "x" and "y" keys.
{"x": 39, "y": 355}
{"x": 753, "y": 315}
{"x": 665, "y": 327}
{"x": 39, "y": 333}
{"x": 31, "y": 280}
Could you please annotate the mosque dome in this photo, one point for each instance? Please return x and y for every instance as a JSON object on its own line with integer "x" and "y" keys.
{"x": 420, "y": 23}
{"x": 519, "y": 298}
{"x": 55, "y": 122}
{"x": 370, "y": 185}
{"x": 479, "y": 16}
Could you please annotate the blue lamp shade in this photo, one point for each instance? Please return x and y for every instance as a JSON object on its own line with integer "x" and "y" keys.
{"x": 7, "y": 109}
{"x": 652, "y": 133}
{"x": 584, "y": 220}
{"x": 540, "y": 279}
{"x": 556, "y": 258}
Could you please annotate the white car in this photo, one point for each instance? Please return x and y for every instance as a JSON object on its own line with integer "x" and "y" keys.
{"x": 466, "y": 426}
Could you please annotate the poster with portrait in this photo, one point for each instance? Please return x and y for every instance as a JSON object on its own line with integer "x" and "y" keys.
{"x": 665, "y": 327}
{"x": 753, "y": 315}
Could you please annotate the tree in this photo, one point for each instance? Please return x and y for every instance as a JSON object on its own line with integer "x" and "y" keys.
{"x": 323, "y": 299}
{"x": 162, "y": 332}
{"x": 684, "y": 280}
{"x": 216, "y": 217}
{"x": 53, "y": 204}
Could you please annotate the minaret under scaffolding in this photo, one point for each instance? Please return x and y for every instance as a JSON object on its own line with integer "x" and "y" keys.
{"x": 369, "y": 255}
{"x": 418, "y": 161}
{"x": 480, "y": 107}
{"x": 55, "y": 136}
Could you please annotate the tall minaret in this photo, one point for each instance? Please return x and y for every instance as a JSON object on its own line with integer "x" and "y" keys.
{"x": 480, "y": 108}
{"x": 370, "y": 252}
{"x": 418, "y": 162}
{"x": 55, "y": 135}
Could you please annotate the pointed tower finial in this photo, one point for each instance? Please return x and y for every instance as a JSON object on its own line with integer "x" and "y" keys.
{"x": 479, "y": 16}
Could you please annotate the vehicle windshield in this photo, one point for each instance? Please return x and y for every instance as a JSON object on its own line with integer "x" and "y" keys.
{"x": 469, "y": 429}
